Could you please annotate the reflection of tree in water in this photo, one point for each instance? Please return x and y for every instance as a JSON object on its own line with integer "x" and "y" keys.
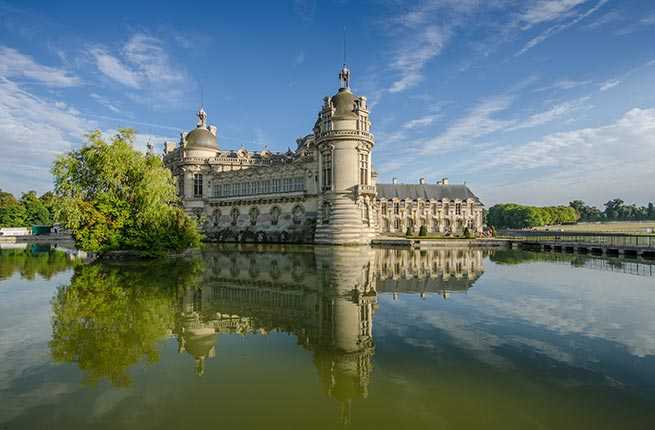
{"x": 110, "y": 317}
{"x": 33, "y": 260}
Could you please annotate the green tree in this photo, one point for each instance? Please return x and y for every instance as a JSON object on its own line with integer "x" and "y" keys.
{"x": 36, "y": 212}
{"x": 51, "y": 203}
{"x": 12, "y": 213}
{"x": 114, "y": 197}
{"x": 613, "y": 209}
{"x": 511, "y": 215}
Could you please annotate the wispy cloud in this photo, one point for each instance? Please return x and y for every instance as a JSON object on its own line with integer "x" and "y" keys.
{"x": 143, "y": 64}
{"x": 104, "y": 101}
{"x": 115, "y": 69}
{"x": 480, "y": 121}
{"x": 558, "y": 111}
{"x": 14, "y": 64}
{"x": 420, "y": 34}
{"x": 411, "y": 59}
{"x": 609, "y": 84}
{"x": 151, "y": 60}
{"x": 608, "y": 18}
{"x": 616, "y": 81}
{"x": 548, "y": 10}
{"x": 594, "y": 162}
{"x": 421, "y": 122}
{"x": 34, "y": 131}
{"x": 557, "y": 28}
{"x": 564, "y": 84}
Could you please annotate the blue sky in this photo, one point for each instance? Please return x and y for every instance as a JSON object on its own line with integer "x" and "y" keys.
{"x": 533, "y": 101}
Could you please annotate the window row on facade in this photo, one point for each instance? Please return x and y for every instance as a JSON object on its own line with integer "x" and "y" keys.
{"x": 267, "y": 186}
{"x": 399, "y": 224}
{"x": 434, "y": 207}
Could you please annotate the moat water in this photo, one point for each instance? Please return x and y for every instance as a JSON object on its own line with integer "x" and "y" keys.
{"x": 322, "y": 338}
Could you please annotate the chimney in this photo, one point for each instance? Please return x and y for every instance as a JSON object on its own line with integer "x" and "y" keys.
{"x": 421, "y": 181}
{"x": 394, "y": 181}
{"x": 444, "y": 181}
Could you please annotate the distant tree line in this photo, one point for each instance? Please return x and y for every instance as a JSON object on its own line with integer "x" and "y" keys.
{"x": 28, "y": 211}
{"x": 511, "y": 215}
{"x": 615, "y": 210}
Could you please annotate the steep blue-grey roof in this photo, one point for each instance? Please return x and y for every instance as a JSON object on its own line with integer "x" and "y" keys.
{"x": 425, "y": 192}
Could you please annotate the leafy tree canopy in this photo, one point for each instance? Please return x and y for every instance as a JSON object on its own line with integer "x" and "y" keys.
{"x": 615, "y": 210}
{"x": 115, "y": 197}
{"x": 511, "y": 215}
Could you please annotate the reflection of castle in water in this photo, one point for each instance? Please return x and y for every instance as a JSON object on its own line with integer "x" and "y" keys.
{"x": 325, "y": 297}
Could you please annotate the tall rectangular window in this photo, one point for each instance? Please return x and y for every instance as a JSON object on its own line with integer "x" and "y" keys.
{"x": 458, "y": 209}
{"x": 363, "y": 168}
{"x": 327, "y": 171}
{"x": 197, "y": 185}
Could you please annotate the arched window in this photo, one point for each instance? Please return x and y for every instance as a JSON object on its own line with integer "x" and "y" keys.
{"x": 275, "y": 215}
{"x": 217, "y": 217}
{"x": 254, "y": 213}
{"x": 235, "y": 215}
{"x": 298, "y": 214}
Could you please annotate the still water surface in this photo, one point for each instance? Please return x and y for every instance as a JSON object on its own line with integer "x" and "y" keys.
{"x": 311, "y": 338}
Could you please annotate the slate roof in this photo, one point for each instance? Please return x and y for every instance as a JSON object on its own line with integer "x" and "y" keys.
{"x": 425, "y": 192}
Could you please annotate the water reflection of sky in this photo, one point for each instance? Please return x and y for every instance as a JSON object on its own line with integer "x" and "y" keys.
{"x": 586, "y": 318}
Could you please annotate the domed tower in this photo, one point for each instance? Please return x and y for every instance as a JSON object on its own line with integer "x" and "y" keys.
{"x": 201, "y": 141}
{"x": 344, "y": 141}
{"x": 197, "y": 147}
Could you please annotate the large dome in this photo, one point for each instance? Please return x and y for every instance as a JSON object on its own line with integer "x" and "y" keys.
{"x": 344, "y": 104}
{"x": 201, "y": 138}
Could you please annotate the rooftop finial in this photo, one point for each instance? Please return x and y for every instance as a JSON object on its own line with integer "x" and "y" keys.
{"x": 202, "y": 118}
{"x": 202, "y": 115}
{"x": 344, "y": 78}
{"x": 344, "y": 74}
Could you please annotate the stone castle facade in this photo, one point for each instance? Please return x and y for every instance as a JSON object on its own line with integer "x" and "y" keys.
{"x": 325, "y": 191}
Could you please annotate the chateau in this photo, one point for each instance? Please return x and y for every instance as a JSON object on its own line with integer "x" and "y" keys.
{"x": 325, "y": 191}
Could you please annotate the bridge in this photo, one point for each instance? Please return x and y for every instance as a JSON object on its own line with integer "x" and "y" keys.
{"x": 611, "y": 244}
